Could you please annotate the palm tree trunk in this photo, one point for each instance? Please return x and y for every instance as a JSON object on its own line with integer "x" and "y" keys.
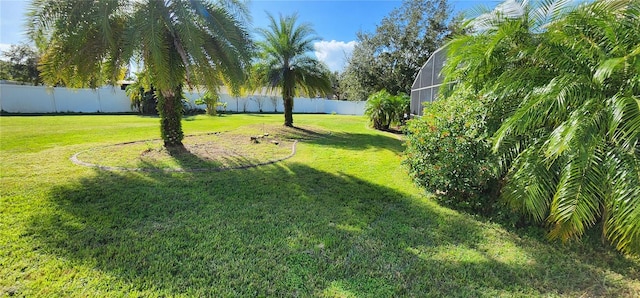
{"x": 170, "y": 110}
{"x": 288, "y": 111}
{"x": 288, "y": 85}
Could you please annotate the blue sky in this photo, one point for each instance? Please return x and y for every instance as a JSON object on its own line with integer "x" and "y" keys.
{"x": 336, "y": 21}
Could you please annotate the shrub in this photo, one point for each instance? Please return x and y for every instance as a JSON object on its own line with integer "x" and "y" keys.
{"x": 447, "y": 151}
{"x": 209, "y": 99}
{"x": 384, "y": 109}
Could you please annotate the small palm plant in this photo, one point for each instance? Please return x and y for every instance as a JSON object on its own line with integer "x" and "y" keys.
{"x": 210, "y": 100}
{"x": 384, "y": 109}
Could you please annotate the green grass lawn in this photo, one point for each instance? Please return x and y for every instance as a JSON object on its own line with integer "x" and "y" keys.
{"x": 339, "y": 219}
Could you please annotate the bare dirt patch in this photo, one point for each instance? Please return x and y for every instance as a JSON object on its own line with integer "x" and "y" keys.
{"x": 245, "y": 147}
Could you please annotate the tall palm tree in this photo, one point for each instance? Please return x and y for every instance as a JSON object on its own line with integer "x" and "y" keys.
{"x": 178, "y": 41}
{"x": 286, "y": 65}
{"x": 564, "y": 87}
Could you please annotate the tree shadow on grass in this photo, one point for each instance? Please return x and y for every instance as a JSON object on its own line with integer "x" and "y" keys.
{"x": 293, "y": 230}
{"x": 359, "y": 141}
{"x": 189, "y": 162}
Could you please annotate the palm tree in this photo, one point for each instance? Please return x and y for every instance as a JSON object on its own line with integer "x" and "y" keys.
{"x": 179, "y": 41}
{"x": 285, "y": 64}
{"x": 563, "y": 87}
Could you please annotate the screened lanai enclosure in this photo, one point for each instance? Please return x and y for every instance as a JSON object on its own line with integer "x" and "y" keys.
{"x": 427, "y": 83}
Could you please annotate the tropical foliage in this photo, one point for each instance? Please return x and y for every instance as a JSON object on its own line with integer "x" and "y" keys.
{"x": 285, "y": 64}
{"x": 384, "y": 109}
{"x": 177, "y": 42}
{"x": 562, "y": 90}
{"x": 447, "y": 150}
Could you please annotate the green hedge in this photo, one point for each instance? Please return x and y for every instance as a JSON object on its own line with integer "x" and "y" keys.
{"x": 448, "y": 152}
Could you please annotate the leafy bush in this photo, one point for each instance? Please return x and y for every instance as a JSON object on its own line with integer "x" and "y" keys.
{"x": 447, "y": 151}
{"x": 384, "y": 109}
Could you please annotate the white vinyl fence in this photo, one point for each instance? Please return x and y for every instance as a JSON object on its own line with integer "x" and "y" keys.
{"x": 38, "y": 99}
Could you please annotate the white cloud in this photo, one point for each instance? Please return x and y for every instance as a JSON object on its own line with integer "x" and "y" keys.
{"x": 334, "y": 53}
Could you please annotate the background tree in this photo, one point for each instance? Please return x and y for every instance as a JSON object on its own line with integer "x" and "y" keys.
{"x": 4, "y": 70}
{"x": 285, "y": 64}
{"x": 22, "y": 64}
{"x": 391, "y": 57}
{"x": 561, "y": 87}
{"x": 194, "y": 42}
{"x": 336, "y": 87}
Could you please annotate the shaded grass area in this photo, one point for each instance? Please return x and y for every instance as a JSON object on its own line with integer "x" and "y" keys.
{"x": 341, "y": 218}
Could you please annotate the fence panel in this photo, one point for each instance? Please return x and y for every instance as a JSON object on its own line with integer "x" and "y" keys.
{"x": 39, "y": 99}
{"x": 113, "y": 100}
{"x": 26, "y": 99}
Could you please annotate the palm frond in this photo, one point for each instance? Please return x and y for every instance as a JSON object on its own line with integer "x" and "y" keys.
{"x": 562, "y": 84}
{"x": 530, "y": 184}
{"x": 622, "y": 223}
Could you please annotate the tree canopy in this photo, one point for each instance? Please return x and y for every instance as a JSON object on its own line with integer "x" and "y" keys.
{"x": 21, "y": 64}
{"x": 390, "y": 57}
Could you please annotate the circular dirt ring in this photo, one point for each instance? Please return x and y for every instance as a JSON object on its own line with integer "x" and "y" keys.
{"x": 212, "y": 152}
